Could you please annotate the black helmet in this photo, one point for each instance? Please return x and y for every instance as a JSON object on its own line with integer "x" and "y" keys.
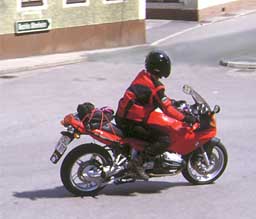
{"x": 158, "y": 63}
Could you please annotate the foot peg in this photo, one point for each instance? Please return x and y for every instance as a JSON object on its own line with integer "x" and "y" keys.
{"x": 124, "y": 180}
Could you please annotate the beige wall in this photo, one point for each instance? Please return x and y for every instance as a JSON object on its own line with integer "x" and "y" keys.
{"x": 62, "y": 16}
{"x": 94, "y": 25}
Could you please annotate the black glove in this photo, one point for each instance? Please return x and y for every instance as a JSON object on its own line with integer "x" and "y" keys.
{"x": 190, "y": 119}
{"x": 178, "y": 103}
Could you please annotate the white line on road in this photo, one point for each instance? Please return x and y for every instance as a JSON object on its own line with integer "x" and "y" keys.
{"x": 240, "y": 14}
{"x": 157, "y": 42}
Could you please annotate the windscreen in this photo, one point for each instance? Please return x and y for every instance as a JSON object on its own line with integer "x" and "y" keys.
{"x": 198, "y": 99}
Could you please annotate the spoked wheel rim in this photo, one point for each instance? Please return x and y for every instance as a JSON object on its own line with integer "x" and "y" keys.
{"x": 86, "y": 172}
{"x": 198, "y": 169}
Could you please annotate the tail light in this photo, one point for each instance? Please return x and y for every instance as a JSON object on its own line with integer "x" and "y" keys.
{"x": 67, "y": 120}
{"x": 70, "y": 119}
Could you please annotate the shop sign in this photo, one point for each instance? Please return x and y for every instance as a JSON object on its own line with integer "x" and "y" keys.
{"x": 32, "y": 26}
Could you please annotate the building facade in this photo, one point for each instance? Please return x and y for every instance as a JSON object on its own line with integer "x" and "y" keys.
{"x": 194, "y": 10}
{"x": 36, "y": 27}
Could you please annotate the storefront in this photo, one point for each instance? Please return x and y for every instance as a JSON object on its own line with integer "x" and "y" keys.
{"x": 35, "y": 27}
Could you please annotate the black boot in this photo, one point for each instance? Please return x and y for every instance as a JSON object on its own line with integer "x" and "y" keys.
{"x": 136, "y": 166}
{"x": 155, "y": 148}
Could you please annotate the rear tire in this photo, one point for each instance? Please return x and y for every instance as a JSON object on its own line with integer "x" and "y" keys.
{"x": 81, "y": 171}
{"x": 197, "y": 172}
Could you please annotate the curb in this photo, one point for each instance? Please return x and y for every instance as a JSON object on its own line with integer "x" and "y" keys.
{"x": 239, "y": 64}
{"x": 13, "y": 66}
{"x": 228, "y": 16}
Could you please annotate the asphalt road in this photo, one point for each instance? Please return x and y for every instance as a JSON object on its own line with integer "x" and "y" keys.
{"x": 33, "y": 104}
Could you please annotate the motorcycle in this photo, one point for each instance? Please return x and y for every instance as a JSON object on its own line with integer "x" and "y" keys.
{"x": 195, "y": 151}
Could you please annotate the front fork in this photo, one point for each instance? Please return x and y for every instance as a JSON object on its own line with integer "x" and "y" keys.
{"x": 205, "y": 157}
{"x": 206, "y": 153}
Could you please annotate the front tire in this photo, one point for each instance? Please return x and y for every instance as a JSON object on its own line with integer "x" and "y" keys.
{"x": 82, "y": 169}
{"x": 198, "y": 173}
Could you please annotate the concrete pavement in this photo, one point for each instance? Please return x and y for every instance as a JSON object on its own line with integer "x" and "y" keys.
{"x": 33, "y": 105}
{"x": 19, "y": 65}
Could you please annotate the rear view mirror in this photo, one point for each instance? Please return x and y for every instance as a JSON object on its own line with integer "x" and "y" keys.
{"x": 216, "y": 109}
{"x": 187, "y": 89}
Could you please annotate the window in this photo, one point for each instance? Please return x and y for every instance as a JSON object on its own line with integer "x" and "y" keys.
{"x": 75, "y": 1}
{"x": 113, "y": 1}
{"x": 171, "y": 1}
{"x": 31, "y": 3}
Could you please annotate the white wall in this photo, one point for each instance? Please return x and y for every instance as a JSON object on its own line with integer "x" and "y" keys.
{"x": 200, "y": 4}
{"x": 142, "y": 9}
{"x": 209, "y": 3}
{"x": 188, "y": 4}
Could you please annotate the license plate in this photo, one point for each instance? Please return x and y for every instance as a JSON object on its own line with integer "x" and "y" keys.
{"x": 60, "y": 148}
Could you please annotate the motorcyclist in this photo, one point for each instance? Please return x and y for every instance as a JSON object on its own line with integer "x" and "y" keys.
{"x": 144, "y": 95}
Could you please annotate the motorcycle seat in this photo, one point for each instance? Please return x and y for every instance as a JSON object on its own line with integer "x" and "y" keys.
{"x": 113, "y": 129}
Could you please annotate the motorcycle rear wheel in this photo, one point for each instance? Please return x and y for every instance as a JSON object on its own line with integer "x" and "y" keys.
{"x": 198, "y": 173}
{"x": 82, "y": 169}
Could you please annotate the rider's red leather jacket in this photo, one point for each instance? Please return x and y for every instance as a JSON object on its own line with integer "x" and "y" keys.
{"x": 144, "y": 95}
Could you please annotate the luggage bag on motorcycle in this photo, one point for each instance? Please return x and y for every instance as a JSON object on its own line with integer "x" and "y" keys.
{"x": 94, "y": 118}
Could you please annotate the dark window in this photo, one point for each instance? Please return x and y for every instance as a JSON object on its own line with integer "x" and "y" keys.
{"x": 75, "y": 1}
{"x": 175, "y": 1}
{"x": 29, "y": 3}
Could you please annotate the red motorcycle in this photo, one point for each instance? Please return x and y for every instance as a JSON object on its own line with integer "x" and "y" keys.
{"x": 194, "y": 150}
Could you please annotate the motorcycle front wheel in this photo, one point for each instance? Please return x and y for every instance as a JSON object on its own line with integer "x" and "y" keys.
{"x": 82, "y": 169}
{"x": 198, "y": 172}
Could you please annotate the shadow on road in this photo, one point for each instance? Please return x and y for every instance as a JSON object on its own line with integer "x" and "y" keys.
{"x": 57, "y": 192}
{"x": 140, "y": 187}
{"x": 130, "y": 189}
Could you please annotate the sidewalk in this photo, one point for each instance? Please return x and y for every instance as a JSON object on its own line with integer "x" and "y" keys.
{"x": 19, "y": 65}
{"x": 14, "y": 66}
{"x": 241, "y": 63}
